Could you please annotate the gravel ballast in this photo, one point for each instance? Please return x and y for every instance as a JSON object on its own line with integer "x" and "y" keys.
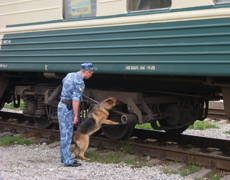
{"x": 213, "y": 132}
{"x": 41, "y": 162}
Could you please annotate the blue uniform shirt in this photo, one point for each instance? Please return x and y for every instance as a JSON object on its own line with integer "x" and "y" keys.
{"x": 73, "y": 87}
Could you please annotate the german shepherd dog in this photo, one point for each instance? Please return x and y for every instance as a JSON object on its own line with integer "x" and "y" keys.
{"x": 99, "y": 115}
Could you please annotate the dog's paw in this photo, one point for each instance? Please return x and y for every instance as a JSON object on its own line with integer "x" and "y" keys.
{"x": 73, "y": 155}
{"x": 86, "y": 159}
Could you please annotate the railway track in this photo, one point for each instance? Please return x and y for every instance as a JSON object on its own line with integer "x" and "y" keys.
{"x": 216, "y": 113}
{"x": 198, "y": 150}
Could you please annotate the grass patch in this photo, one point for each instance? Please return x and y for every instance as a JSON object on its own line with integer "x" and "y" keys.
{"x": 106, "y": 158}
{"x": 227, "y": 132}
{"x": 189, "y": 169}
{"x": 11, "y": 105}
{"x": 56, "y": 140}
{"x": 214, "y": 177}
{"x": 167, "y": 171}
{"x": 144, "y": 126}
{"x": 201, "y": 125}
{"x": 114, "y": 158}
{"x": 9, "y": 140}
{"x": 193, "y": 168}
{"x": 127, "y": 148}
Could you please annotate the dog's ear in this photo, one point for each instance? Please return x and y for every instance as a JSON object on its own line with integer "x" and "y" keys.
{"x": 109, "y": 101}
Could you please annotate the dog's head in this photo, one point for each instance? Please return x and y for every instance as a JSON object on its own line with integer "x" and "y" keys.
{"x": 109, "y": 103}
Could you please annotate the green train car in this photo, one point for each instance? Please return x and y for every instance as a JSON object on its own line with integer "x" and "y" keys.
{"x": 164, "y": 59}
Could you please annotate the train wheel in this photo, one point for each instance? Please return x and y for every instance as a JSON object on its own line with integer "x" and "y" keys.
{"x": 43, "y": 122}
{"x": 174, "y": 115}
{"x": 119, "y": 131}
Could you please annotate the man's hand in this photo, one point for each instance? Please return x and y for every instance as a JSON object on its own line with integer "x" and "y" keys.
{"x": 75, "y": 120}
{"x": 75, "y": 109}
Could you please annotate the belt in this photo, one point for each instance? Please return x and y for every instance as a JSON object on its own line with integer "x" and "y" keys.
{"x": 65, "y": 101}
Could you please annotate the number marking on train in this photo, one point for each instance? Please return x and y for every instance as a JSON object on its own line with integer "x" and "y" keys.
{"x": 140, "y": 68}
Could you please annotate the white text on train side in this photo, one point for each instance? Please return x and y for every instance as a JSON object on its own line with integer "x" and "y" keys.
{"x": 140, "y": 68}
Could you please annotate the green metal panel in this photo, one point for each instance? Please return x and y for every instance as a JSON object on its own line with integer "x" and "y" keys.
{"x": 198, "y": 47}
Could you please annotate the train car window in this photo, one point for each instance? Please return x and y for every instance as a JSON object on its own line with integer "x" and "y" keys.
{"x": 146, "y": 5}
{"x": 79, "y": 8}
{"x": 222, "y": 1}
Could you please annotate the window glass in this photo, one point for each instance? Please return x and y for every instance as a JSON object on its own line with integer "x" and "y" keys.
{"x": 143, "y": 5}
{"x": 222, "y": 1}
{"x": 79, "y": 8}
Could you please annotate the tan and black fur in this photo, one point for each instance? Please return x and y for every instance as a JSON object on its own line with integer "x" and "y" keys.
{"x": 100, "y": 114}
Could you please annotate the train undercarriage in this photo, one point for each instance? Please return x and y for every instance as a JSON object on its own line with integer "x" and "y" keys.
{"x": 168, "y": 103}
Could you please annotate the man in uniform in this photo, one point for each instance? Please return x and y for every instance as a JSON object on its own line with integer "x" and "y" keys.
{"x": 72, "y": 89}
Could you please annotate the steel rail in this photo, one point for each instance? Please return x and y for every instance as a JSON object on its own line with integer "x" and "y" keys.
{"x": 183, "y": 139}
{"x": 22, "y": 128}
{"x": 216, "y": 113}
{"x": 14, "y": 115}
